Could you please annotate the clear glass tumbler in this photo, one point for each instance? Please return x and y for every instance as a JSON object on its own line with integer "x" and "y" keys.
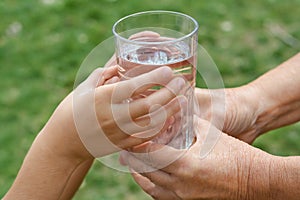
{"x": 151, "y": 39}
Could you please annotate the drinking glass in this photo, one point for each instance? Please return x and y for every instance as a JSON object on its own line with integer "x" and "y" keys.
{"x": 148, "y": 40}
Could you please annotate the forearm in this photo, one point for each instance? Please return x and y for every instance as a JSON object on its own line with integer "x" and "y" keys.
{"x": 278, "y": 93}
{"x": 76, "y": 179}
{"x": 273, "y": 177}
{"x": 46, "y": 175}
{"x": 285, "y": 178}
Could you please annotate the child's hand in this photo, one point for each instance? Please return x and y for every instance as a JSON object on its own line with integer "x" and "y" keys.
{"x": 112, "y": 117}
{"x": 102, "y": 115}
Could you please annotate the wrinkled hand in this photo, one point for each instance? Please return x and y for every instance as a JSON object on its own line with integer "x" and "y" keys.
{"x": 229, "y": 171}
{"x": 234, "y": 111}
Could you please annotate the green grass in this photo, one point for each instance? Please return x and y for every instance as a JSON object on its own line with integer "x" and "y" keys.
{"x": 42, "y": 46}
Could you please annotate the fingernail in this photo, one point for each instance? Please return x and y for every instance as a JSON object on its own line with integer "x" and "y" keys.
{"x": 166, "y": 71}
{"x": 182, "y": 100}
{"x": 171, "y": 120}
{"x": 169, "y": 129}
{"x": 180, "y": 82}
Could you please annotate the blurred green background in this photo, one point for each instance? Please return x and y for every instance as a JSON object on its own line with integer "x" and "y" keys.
{"x": 43, "y": 42}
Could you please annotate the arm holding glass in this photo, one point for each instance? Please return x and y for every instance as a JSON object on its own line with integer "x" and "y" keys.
{"x": 267, "y": 103}
{"x": 233, "y": 169}
{"x": 58, "y": 159}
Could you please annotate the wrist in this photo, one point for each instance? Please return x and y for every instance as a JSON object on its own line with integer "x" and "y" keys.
{"x": 278, "y": 95}
{"x": 243, "y": 110}
{"x": 62, "y": 146}
{"x": 274, "y": 110}
{"x": 61, "y": 136}
{"x": 42, "y": 169}
{"x": 265, "y": 106}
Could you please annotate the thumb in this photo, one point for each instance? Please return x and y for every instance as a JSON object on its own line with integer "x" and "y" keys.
{"x": 148, "y": 34}
{"x": 91, "y": 81}
{"x": 207, "y": 136}
{"x": 155, "y": 155}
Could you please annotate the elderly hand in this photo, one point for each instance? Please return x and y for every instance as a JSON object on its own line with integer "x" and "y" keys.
{"x": 269, "y": 102}
{"x": 231, "y": 170}
{"x": 234, "y": 111}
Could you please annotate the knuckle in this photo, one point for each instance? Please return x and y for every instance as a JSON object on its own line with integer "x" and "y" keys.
{"x": 139, "y": 140}
{"x": 132, "y": 86}
{"x": 152, "y": 192}
{"x": 106, "y": 124}
{"x": 170, "y": 97}
{"x": 149, "y": 189}
{"x": 184, "y": 169}
{"x": 146, "y": 105}
{"x": 150, "y": 176}
{"x": 180, "y": 193}
{"x": 174, "y": 107}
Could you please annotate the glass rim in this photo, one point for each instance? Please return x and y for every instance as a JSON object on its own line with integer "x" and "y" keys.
{"x": 155, "y": 12}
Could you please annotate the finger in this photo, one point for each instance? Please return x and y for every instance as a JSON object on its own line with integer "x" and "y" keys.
{"x": 148, "y": 133}
{"x": 143, "y": 89}
{"x": 110, "y": 72}
{"x": 160, "y": 178}
{"x": 136, "y": 164}
{"x": 158, "y": 156}
{"x": 126, "y": 89}
{"x": 142, "y": 137}
{"x": 107, "y": 74}
{"x": 150, "y": 34}
{"x": 153, "y": 190}
{"x": 159, "y": 116}
{"x": 131, "y": 70}
{"x": 141, "y": 106}
{"x": 207, "y": 135}
{"x": 204, "y": 129}
{"x": 156, "y": 176}
{"x": 114, "y": 79}
{"x": 172, "y": 135}
{"x": 93, "y": 78}
{"x": 154, "y": 121}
